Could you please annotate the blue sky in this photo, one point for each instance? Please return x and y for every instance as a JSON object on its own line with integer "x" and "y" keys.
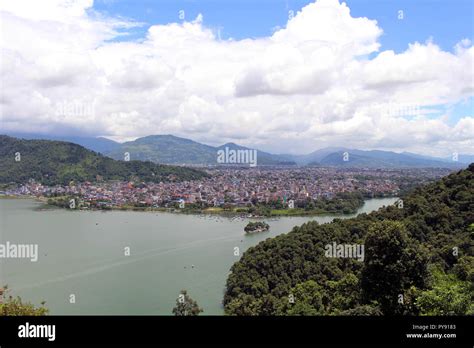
{"x": 446, "y": 22}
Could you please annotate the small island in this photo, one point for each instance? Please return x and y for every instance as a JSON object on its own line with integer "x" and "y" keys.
{"x": 259, "y": 226}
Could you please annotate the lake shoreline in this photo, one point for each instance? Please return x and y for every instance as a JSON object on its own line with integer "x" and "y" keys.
{"x": 297, "y": 212}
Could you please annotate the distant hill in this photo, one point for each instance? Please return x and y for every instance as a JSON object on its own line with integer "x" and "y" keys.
{"x": 264, "y": 158}
{"x": 165, "y": 149}
{"x": 98, "y": 144}
{"x": 315, "y": 156}
{"x": 382, "y": 159}
{"x": 170, "y": 149}
{"x": 175, "y": 150}
{"x": 462, "y": 158}
{"x": 57, "y": 162}
{"x": 466, "y": 159}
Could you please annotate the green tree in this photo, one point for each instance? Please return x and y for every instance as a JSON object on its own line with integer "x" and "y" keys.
{"x": 464, "y": 268}
{"x": 243, "y": 305}
{"x": 447, "y": 296}
{"x": 186, "y": 306}
{"x": 14, "y": 306}
{"x": 364, "y": 310}
{"x": 343, "y": 294}
{"x": 393, "y": 263}
{"x": 304, "y": 299}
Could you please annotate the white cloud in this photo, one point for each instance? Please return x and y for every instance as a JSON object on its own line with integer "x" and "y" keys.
{"x": 308, "y": 85}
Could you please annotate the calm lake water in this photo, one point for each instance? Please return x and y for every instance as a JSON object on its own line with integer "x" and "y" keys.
{"x": 82, "y": 253}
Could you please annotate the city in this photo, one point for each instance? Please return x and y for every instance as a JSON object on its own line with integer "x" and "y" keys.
{"x": 237, "y": 187}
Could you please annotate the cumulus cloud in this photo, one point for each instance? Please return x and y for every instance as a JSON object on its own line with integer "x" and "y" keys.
{"x": 310, "y": 84}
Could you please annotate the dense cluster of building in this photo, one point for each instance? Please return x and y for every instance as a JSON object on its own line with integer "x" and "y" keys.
{"x": 232, "y": 186}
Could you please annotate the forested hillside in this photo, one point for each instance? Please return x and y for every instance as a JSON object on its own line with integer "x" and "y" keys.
{"x": 419, "y": 260}
{"x": 57, "y": 162}
{"x": 175, "y": 150}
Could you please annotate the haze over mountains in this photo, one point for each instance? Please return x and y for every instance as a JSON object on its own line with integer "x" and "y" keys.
{"x": 169, "y": 149}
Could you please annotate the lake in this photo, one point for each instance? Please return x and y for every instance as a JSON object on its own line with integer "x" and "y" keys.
{"x": 83, "y": 253}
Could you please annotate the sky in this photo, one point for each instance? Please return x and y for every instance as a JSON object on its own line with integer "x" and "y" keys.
{"x": 285, "y": 76}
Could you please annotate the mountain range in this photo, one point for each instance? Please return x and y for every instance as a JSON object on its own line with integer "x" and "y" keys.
{"x": 170, "y": 149}
{"x": 57, "y": 162}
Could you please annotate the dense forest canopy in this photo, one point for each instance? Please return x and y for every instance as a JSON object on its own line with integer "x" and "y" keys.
{"x": 57, "y": 162}
{"x": 419, "y": 260}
